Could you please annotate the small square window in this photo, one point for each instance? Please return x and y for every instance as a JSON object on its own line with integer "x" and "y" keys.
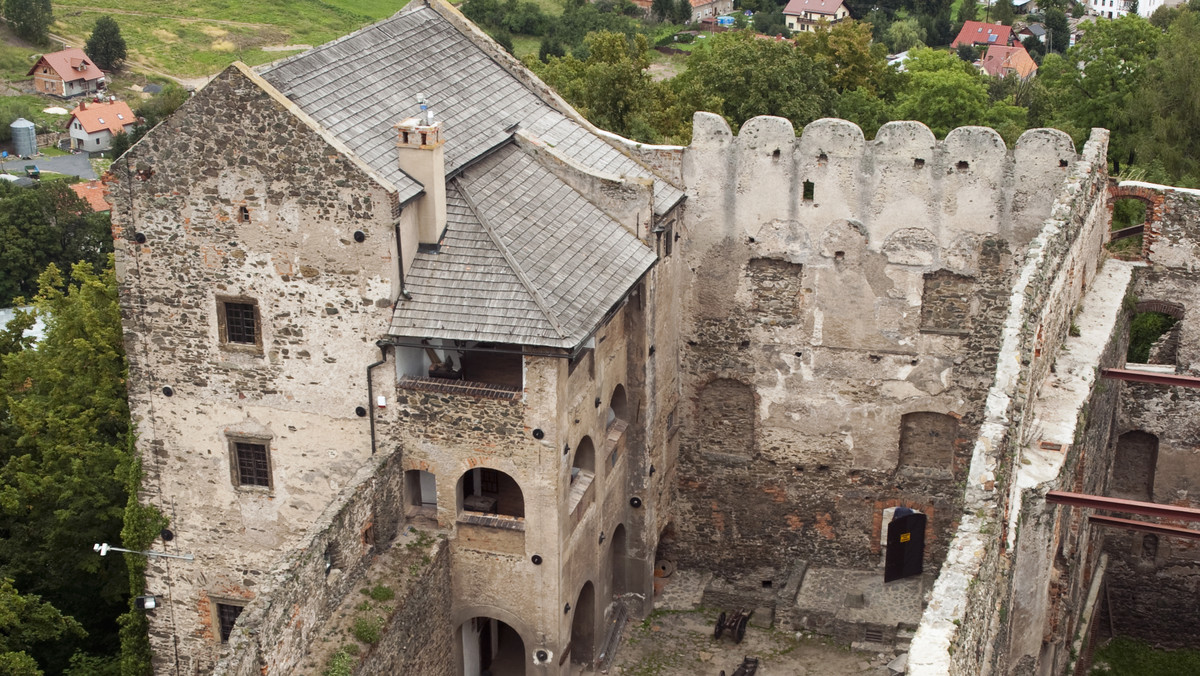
{"x": 227, "y": 615}
{"x": 251, "y": 463}
{"x": 244, "y": 214}
{"x": 238, "y": 323}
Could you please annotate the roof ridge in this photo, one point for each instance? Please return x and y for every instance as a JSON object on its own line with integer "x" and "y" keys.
{"x": 508, "y": 257}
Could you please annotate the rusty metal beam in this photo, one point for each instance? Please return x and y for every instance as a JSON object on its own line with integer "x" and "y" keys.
{"x": 1150, "y": 377}
{"x": 1144, "y": 526}
{"x": 1120, "y": 505}
{"x": 1126, "y": 232}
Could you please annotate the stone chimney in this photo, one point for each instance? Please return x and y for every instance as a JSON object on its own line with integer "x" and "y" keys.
{"x": 419, "y": 150}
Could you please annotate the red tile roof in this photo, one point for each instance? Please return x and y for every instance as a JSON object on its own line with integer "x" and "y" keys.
{"x": 68, "y": 64}
{"x": 93, "y": 192}
{"x": 979, "y": 33}
{"x": 999, "y": 59}
{"x": 798, "y": 7}
{"x": 94, "y": 117}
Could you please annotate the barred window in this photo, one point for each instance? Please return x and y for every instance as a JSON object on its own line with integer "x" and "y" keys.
{"x": 227, "y": 614}
{"x": 251, "y": 464}
{"x": 241, "y": 323}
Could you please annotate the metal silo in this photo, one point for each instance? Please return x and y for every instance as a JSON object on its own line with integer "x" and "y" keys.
{"x": 24, "y": 136}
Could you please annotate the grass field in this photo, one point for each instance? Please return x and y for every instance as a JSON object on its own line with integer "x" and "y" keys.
{"x": 192, "y": 38}
{"x": 15, "y": 62}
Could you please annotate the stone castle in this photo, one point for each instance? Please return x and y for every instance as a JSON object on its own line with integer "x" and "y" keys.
{"x": 558, "y": 364}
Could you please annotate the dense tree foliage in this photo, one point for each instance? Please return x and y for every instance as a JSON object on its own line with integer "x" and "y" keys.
{"x": 65, "y": 460}
{"x": 106, "y": 45}
{"x": 30, "y": 19}
{"x": 25, "y": 622}
{"x": 46, "y": 224}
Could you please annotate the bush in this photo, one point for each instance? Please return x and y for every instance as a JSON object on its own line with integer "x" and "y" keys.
{"x": 368, "y": 629}
{"x": 341, "y": 663}
{"x": 381, "y": 592}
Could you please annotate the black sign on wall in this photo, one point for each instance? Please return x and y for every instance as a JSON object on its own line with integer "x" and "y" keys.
{"x": 905, "y": 547}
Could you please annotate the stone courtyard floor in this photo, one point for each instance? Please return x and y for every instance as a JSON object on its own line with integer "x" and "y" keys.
{"x": 677, "y": 640}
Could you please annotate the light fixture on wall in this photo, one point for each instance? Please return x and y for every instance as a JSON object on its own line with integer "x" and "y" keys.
{"x": 147, "y": 602}
{"x": 104, "y": 548}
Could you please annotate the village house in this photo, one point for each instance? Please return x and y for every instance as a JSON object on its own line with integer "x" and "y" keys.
{"x": 709, "y": 10}
{"x": 393, "y": 296}
{"x": 94, "y": 193}
{"x": 1000, "y": 61}
{"x": 93, "y": 125}
{"x": 66, "y": 74}
{"x": 808, "y": 15}
{"x": 980, "y": 33}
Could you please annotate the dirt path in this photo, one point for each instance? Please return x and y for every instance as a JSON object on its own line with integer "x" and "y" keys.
{"x": 155, "y": 15}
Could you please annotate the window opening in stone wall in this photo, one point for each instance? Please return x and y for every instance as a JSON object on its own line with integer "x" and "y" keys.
{"x": 776, "y": 291}
{"x": 1153, "y": 338}
{"x": 490, "y": 491}
{"x": 227, "y": 615}
{"x": 1133, "y": 466}
{"x": 927, "y": 441}
{"x": 252, "y": 464}
{"x": 617, "y": 561}
{"x": 583, "y": 626}
{"x": 810, "y": 190}
{"x": 490, "y": 646}
{"x": 244, "y": 214}
{"x": 947, "y": 302}
{"x": 492, "y": 370}
{"x": 238, "y": 322}
{"x": 1128, "y": 218}
{"x": 918, "y": 163}
{"x": 962, "y": 165}
{"x": 618, "y": 407}
{"x": 583, "y": 465}
{"x": 725, "y": 418}
{"x": 332, "y": 557}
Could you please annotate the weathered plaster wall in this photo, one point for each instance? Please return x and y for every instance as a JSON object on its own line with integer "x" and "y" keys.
{"x": 838, "y": 286}
{"x": 964, "y": 630}
{"x": 321, "y": 297}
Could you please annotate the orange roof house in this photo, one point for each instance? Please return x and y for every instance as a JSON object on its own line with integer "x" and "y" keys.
{"x": 67, "y": 73}
{"x": 979, "y": 33}
{"x": 92, "y": 125}
{"x": 1000, "y": 61}
{"x": 94, "y": 193}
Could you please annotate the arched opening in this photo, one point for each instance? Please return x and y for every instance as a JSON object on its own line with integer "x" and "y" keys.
{"x": 1133, "y": 466}
{"x": 583, "y": 466}
{"x": 618, "y": 406}
{"x": 583, "y": 626}
{"x": 617, "y": 557}
{"x": 927, "y": 440}
{"x": 725, "y": 418}
{"x": 1154, "y": 333}
{"x": 491, "y": 648}
{"x": 490, "y": 491}
{"x": 421, "y": 489}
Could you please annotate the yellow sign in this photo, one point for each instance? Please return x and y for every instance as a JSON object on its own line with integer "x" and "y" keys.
{"x": 905, "y": 537}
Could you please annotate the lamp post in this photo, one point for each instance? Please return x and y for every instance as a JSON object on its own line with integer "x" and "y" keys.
{"x": 105, "y": 548}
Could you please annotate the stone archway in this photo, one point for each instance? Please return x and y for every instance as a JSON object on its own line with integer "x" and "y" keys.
{"x": 583, "y": 626}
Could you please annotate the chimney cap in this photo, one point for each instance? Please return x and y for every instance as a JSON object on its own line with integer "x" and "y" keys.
{"x": 413, "y": 123}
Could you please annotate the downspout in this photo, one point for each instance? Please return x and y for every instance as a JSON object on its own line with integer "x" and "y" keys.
{"x": 400, "y": 260}
{"x": 371, "y": 389}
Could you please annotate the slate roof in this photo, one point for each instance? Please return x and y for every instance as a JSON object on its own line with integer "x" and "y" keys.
{"x": 67, "y": 65}
{"x": 525, "y": 259}
{"x": 359, "y": 86}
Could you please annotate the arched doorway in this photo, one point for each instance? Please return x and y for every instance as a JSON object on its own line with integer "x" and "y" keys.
{"x": 491, "y": 648}
{"x": 490, "y": 491}
{"x": 583, "y": 466}
{"x": 583, "y": 626}
{"x": 618, "y": 556}
{"x": 618, "y": 406}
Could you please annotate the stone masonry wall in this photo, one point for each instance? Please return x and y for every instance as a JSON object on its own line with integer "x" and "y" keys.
{"x": 839, "y": 286}
{"x": 260, "y": 208}
{"x": 293, "y": 601}
{"x": 963, "y": 630}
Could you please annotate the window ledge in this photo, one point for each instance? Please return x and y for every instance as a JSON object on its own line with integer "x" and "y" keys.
{"x": 579, "y": 488}
{"x": 493, "y": 520}
{"x": 471, "y": 388}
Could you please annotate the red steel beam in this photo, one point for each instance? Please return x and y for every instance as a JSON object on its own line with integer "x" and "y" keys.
{"x": 1147, "y": 527}
{"x": 1126, "y": 232}
{"x": 1120, "y": 505}
{"x": 1150, "y": 377}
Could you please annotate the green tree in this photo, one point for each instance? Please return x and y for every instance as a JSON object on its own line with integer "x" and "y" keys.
{"x": 845, "y": 52}
{"x": 46, "y": 224}
{"x": 966, "y": 52}
{"x": 682, "y": 13}
{"x": 106, "y": 45}
{"x": 1168, "y": 104}
{"x": 944, "y": 92}
{"x": 752, "y": 77}
{"x": 611, "y": 87}
{"x": 1003, "y": 12}
{"x": 63, "y": 469}
{"x": 24, "y": 622}
{"x": 1059, "y": 30}
{"x": 967, "y": 11}
{"x": 1116, "y": 56}
{"x": 663, "y": 10}
{"x": 160, "y": 106}
{"x": 771, "y": 23}
{"x": 30, "y": 19}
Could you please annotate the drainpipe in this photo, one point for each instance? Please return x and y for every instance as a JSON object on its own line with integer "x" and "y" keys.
{"x": 400, "y": 262}
{"x": 371, "y": 389}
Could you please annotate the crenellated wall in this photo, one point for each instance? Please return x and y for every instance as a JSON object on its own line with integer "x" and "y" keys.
{"x": 845, "y": 303}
